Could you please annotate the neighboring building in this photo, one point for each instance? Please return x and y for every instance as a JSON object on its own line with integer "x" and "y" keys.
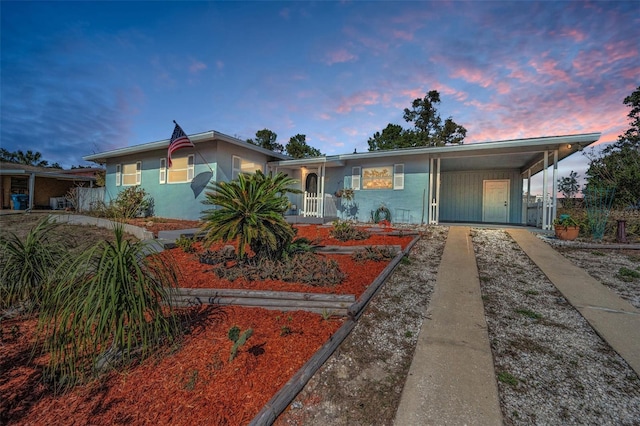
{"x": 479, "y": 182}
{"x": 41, "y": 187}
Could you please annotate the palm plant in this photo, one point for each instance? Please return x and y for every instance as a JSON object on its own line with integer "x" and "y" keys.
{"x": 26, "y": 265}
{"x": 109, "y": 304}
{"x": 250, "y": 210}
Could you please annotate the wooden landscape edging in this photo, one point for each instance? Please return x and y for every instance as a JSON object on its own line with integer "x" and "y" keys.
{"x": 288, "y": 392}
{"x": 330, "y": 304}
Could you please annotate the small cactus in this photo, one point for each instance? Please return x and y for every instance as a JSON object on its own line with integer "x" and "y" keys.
{"x": 238, "y": 339}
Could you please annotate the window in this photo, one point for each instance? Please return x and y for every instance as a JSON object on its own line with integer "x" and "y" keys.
{"x": 131, "y": 173}
{"x": 163, "y": 170}
{"x": 240, "y": 165}
{"x": 377, "y": 177}
{"x": 383, "y": 177}
{"x": 355, "y": 178}
{"x": 181, "y": 170}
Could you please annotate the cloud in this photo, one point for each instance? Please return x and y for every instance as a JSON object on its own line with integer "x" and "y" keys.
{"x": 196, "y": 66}
{"x": 357, "y": 101}
{"x": 339, "y": 56}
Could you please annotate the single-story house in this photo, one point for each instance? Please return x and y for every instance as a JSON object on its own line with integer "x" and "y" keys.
{"x": 35, "y": 187}
{"x": 479, "y": 182}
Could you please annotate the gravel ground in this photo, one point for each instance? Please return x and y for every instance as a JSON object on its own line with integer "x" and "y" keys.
{"x": 552, "y": 368}
{"x": 361, "y": 383}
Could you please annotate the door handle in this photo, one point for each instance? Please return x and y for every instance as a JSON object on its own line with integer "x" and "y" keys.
{"x": 505, "y": 204}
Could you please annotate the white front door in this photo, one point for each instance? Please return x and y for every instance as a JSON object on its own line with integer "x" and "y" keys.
{"x": 495, "y": 201}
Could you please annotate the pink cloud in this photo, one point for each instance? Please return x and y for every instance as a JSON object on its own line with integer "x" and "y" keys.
{"x": 339, "y": 56}
{"x": 357, "y": 101}
{"x": 472, "y": 76}
{"x": 550, "y": 67}
{"x": 402, "y": 35}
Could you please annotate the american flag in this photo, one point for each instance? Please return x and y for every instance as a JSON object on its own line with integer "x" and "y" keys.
{"x": 179, "y": 139}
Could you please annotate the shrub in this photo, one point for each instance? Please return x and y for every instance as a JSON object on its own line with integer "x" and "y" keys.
{"x": 377, "y": 254}
{"x": 305, "y": 267}
{"x": 110, "y": 303}
{"x": 345, "y": 231}
{"x": 132, "y": 202}
{"x": 186, "y": 244}
{"x": 250, "y": 210}
{"x": 26, "y": 266}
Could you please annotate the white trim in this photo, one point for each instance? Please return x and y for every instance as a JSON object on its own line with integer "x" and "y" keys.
{"x": 355, "y": 177}
{"x": 507, "y": 201}
{"x": 138, "y": 174}
{"x": 235, "y": 170}
{"x": 163, "y": 171}
{"x": 398, "y": 176}
{"x": 118, "y": 174}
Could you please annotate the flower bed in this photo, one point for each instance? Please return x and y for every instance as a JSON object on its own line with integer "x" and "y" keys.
{"x": 194, "y": 383}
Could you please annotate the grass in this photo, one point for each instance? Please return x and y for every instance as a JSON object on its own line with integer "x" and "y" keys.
{"x": 627, "y": 274}
{"x": 507, "y": 378}
{"x": 529, "y": 313}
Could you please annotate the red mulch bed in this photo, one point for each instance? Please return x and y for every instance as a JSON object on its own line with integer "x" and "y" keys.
{"x": 196, "y": 384}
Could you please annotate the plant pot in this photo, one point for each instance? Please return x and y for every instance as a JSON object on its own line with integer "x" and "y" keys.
{"x": 567, "y": 233}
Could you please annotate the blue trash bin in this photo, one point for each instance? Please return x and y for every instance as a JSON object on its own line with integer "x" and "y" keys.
{"x": 19, "y": 201}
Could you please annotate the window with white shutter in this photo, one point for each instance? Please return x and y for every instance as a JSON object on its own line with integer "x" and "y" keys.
{"x": 398, "y": 176}
{"x": 355, "y": 178}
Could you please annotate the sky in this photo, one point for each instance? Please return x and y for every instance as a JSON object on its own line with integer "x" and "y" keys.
{"x": 79, "y": 77}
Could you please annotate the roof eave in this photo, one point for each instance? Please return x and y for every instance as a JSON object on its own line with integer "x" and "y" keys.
{"x": 197, "y": 138}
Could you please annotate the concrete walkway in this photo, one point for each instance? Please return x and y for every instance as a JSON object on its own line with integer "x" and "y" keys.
{"x": 451, "y": 379}
{"x": 614, "y": 319}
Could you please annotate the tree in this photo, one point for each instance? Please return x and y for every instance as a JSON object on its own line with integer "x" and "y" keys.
{"x": 28, "y": 158}
{"x": 569, "y": 187}
{"x": 618, "y": 165}
{"x": 392, "y": 136}
{"x": 250, "y": 210}
{"x": 428, "y": 128}
{"x": 267, "y": 139}
{"x": 298, "y": 148}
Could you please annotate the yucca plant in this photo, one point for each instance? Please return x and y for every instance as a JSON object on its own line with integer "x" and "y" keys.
{"x": 109, "y": 306}
{"x": 250, "y": 210}
{"x": 26, "y": 265}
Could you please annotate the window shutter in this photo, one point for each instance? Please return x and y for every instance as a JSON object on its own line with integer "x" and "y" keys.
{"x": 355, "y": 178}
{"x": 163, "y": 170}
{"x": 236, "y": 167}
{"x": 398, "y": 176}
{"x": 118, "y": 174}
{"x": 190, "y": 168}
{"x": 138, "y": 172}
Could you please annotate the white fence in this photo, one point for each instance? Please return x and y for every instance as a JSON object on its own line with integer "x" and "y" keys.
{"x": 87, "y": 198}
{"x": 313, "y": 205}
{"x": 535, "y": 213}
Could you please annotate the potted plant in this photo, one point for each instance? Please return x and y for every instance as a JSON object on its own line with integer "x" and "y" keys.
{"x": 566, "y": 227}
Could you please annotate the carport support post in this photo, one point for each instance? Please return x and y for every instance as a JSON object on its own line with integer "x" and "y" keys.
{"x": 545, "y": 202}
{"x": 32, "y": 187}
{"x": 554, "y": 199}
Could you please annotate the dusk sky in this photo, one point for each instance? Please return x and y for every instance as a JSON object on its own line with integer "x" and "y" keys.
{"x": 85, "y": 77}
